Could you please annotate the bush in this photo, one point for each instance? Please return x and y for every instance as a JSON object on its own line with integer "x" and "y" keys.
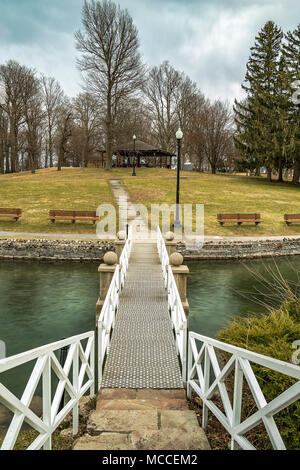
{"x": 272, "y": 335}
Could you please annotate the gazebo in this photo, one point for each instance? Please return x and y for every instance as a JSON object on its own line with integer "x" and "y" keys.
{"x": 124, "y": 152}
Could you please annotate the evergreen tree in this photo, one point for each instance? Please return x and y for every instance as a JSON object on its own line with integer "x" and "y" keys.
{"x": 261, "y": 111}
{"x": 291, "y": 52}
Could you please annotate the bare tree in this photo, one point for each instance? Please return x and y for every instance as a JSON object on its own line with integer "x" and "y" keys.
{"x": 86, "y": 116}
{"x": 132, "y": 118}
{"x": 217, "y": 133}
{"x": 63, "y": 133}
{"x": 12, "y": 77}
{"x": 162, "y": 84}
{"x": 33, "y": 116}
{"x": 53, "y": 97}
{"x": 110, "y": 58}
{"x": 4, "y": 143}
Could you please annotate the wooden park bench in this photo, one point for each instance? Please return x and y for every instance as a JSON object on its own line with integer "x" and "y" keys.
{"x": 292, "y": 219}
{"x": 11, "y": 213}
{"x": 239, "y": 218}
{"x": 72, "y": 215}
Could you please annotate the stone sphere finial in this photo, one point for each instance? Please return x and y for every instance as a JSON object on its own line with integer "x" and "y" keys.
{"x": 176, "y": 259}
{"x": 110, "y": 258}
{"x": 169, "y": 236}
{"x": 121, "y": 235}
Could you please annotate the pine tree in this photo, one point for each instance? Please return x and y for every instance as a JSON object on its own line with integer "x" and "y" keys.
{"x": 291, "y": 52}
{"x": 261, "y": 87}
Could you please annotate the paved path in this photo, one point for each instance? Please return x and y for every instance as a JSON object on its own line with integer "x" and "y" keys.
{"x": 91, "y": 236}
{"x": 58, "y": 236}
{"x": 142, "y": 352}
{"x": 142, "y": 404}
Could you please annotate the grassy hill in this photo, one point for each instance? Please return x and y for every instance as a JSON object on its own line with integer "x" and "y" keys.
{"x": 86, "y": 189}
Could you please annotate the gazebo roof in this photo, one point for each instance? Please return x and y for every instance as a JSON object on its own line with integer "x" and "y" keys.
{"x": 141, "y": 148}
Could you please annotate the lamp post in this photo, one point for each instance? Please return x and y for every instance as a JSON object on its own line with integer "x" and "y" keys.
{"x": 134, "y": 156}
{"x": 179, "y": 135}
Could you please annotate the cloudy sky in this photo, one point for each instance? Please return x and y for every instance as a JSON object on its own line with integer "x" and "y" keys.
{"x": 207, "y": 39}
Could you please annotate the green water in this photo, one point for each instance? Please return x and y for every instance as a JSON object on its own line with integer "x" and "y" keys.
{"x": 41, "y": 303}
{"x": 214, "y": 290}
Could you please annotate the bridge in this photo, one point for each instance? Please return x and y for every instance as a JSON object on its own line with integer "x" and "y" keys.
{"x": 145, "y": 364}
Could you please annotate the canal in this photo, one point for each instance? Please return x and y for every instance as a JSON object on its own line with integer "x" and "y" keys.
{"x": 41, "y": 303}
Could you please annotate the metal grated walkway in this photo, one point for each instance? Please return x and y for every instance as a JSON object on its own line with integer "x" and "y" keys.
{"x": 142, "y": 353}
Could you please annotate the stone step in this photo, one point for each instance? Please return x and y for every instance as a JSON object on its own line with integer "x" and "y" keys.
{"x": 174, "y": 439}
{"x": 141, "y": 394}
{"x": 142, "y": 430}
{"x": 153, "y": 404}
{"x": 102, "y": 420}
{"x": 121, "y": 421}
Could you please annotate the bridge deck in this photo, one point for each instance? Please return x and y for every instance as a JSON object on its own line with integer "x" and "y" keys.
{"x": 142, "y": 353}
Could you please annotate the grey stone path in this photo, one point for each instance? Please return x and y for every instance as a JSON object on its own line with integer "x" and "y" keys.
{"x": 58, "y": 236}
{"x": 142, "y": 353}
{"x": 128, "y": 212}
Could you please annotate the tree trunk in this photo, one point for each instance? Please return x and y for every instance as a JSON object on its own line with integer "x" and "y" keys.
{"x": 280, "y": 172}
{"x": 60, "y": 158}
{"x": 7, "y": 159}
{"x": 50, "y": 147}
{"x": 108, "y": 163}
{"x": 213, "y": 168}
{"x": 269, "y": 174}
{"x": 296, "y": 175}
{"x": 257, "y": 171}
{"x": 1, "y": 157}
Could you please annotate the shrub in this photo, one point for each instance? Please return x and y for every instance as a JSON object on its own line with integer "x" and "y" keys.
{"x": 272, "y": 335}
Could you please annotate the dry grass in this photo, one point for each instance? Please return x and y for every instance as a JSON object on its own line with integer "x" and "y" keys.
{"x": 226, "y": 193}
{"x": 71, "y": 189}
{"x": 85, "y": 189}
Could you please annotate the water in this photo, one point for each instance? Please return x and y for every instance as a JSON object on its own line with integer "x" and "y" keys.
{"x": 41, "y": 303}
{"x": 212, "y": 287}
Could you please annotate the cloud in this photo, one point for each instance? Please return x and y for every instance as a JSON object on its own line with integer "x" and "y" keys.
{"x": 209, "y": 40}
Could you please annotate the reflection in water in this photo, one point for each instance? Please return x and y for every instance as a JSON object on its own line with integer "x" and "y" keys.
{"x": 212, "y": 290}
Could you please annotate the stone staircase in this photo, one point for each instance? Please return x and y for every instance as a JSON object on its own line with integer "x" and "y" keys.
{"x": 130, "y": 419}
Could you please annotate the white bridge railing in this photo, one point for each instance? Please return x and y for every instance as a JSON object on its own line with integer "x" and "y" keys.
{"x": 107, "y": 316}
{"x": 106, "y": 321}
{"x": 179, "y": 321}
{"x": 80, "y": 359}
{"x": 178, "y": 317}
{"x": 124, "y": 258}
{"x": 207, "y": 374}
{"x": 163, "y": 255}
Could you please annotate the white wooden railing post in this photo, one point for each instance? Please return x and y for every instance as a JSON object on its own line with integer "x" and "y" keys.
{"x": 177, "y": 314}
{"x": 52, "y": 414}
{"x": 237, "y": 400}
{"x": 47, "y": 401}
{"x": 240, "y": 360}
{"x": 189, "y": 368}
{"x": 76, "y": 386}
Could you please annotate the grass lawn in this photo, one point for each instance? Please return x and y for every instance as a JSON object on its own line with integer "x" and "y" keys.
{"x": 70, "y": 189}
{"x": 225, "y": 193}
{"x": 86, "y": 189}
